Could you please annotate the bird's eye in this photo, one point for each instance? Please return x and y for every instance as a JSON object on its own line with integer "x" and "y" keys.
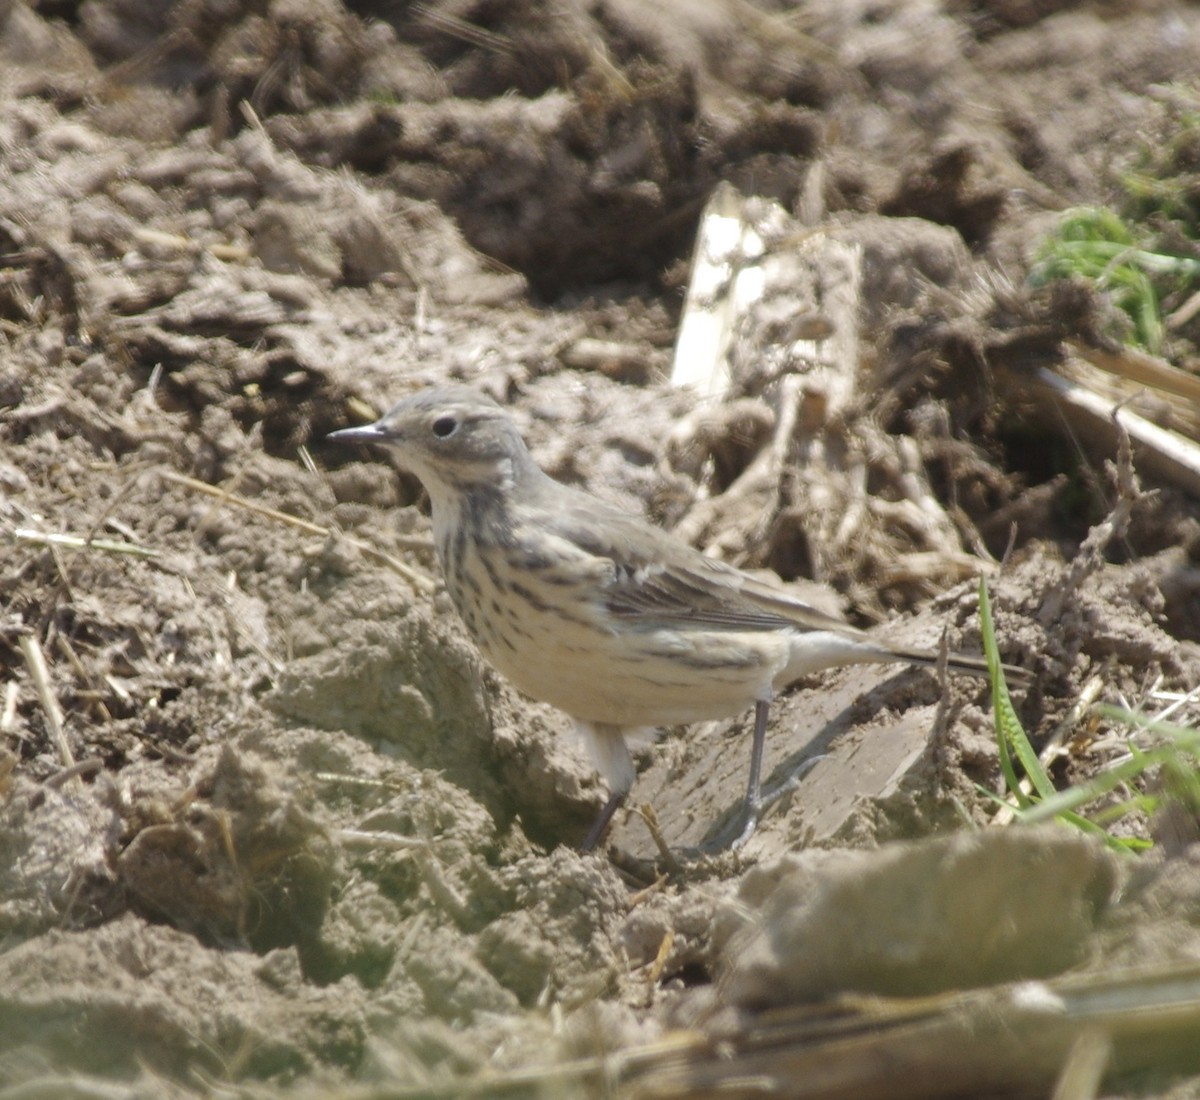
{"x": 444, "y": 426}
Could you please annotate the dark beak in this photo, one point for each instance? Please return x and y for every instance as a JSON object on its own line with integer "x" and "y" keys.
{"x": 368, "y": 433}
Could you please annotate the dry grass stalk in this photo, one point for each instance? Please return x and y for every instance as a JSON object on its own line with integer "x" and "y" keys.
{"x": 418, "y": 581}
{"x": 35, "y": 662}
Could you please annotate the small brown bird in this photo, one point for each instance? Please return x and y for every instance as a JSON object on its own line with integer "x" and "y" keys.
{"x": 610, "y": 619}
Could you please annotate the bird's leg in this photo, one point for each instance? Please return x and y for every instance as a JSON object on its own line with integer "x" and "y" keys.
{"x": 614, "y": 803}
{"x": 753, "y": 806}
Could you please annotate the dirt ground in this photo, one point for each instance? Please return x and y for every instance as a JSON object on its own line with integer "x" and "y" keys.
{"x": 267, "y": 822}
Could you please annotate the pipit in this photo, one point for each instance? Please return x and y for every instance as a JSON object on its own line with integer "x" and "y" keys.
{"x": 612, "y": 620}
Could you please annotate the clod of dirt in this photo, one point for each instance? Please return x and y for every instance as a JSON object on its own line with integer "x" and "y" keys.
{"x": 128, "y": 997}
{"x": 912, "y": 919}
{"x": 401, "y": 676}
{"x": 560, "y": 934}
{"x": 55, "y": 861}
{"x": 237, "y": 860}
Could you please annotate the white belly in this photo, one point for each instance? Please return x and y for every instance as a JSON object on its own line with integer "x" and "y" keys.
{"x": 606, "y": 670}
{"x": 557, "y": 647}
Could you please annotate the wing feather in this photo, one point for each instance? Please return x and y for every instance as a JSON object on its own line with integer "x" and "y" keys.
{"x": 650, "y": 573}
{"x": 637, "y": 571}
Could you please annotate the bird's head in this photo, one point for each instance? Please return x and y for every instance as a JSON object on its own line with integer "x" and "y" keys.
{"x": 454, "y": 439}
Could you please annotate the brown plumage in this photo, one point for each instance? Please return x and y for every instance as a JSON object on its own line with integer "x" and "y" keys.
{"x": 599, "y": 613}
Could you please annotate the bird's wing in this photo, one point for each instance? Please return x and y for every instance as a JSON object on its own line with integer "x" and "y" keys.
{"x": 641, "y": 572}
{"x": 657, "y": 576}
{"x": 709, "y": 593}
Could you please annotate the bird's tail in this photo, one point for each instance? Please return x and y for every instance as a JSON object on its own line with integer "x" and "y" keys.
{"x": 966, "y": 663}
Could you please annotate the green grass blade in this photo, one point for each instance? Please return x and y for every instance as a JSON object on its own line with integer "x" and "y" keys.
{"x": 1185, "y": 738}
{"x": 1010, "y": 734}
{"x": 1098, "y": 786}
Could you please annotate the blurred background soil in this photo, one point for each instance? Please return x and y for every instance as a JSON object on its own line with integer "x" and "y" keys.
{"x": 267, "y": 821}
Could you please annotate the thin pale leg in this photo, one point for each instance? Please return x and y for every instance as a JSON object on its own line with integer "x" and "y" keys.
{"x": 607, "y": 747}
{"x": 756, "y": 802}
{"x": 753, "y": 806}
{"x": 614, "y": 803}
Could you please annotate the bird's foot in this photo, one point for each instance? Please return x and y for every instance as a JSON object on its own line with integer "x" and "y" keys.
{"x": 600, "y": 825}
{"x": 743, "y": 826}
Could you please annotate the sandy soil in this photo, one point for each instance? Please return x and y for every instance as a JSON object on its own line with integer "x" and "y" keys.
{"x": 267, "y": 822}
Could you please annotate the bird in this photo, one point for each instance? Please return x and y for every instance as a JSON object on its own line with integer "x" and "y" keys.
{"x": 618, "y": 623}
